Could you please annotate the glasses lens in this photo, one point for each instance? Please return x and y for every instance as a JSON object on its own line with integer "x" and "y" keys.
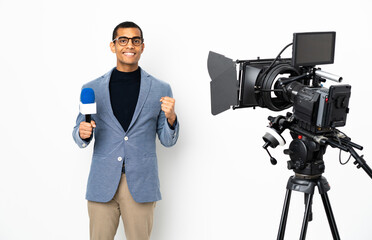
{"x": 136, "y": 41}
{"x": 123, "y": 41}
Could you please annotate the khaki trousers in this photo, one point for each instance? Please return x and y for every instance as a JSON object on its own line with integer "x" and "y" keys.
{"x": 137, "y": 217}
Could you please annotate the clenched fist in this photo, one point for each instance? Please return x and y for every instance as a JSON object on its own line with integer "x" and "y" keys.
{"x": 167, "y": 106}
{"x": 86, "y": 129}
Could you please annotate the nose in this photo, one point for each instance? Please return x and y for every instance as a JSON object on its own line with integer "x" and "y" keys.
{"x": 130, "y": 44}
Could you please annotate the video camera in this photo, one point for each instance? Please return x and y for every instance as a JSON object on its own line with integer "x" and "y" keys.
{"x": 278, "y": 84}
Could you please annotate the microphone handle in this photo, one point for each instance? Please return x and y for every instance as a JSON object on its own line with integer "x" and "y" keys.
{"x": 88, "y": 118}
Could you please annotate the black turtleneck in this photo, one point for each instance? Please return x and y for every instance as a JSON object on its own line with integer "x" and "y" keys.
{"x": 124, "y": 90}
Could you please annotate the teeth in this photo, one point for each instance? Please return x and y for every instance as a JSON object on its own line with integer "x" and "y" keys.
{"x": 129, "y": 54}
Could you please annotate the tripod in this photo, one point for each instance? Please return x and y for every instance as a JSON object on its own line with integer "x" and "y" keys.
{"x": 306, "y": 153}
{"x": 307, "y": 186}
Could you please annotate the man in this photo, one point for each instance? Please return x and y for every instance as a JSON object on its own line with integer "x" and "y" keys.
{"x": 132, "y": 107}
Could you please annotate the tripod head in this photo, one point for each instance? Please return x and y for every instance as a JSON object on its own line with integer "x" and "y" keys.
{"x": 307, "y": 148}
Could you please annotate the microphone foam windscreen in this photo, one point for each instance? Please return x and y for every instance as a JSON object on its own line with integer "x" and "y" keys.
{"x": 87, "y": 96}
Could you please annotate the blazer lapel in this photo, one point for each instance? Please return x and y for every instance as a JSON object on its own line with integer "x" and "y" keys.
{"x": 144, "y": 92}
{"x": 107, "y": 101}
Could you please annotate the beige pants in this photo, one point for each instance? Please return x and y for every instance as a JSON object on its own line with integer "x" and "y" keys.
{"x": 137, "y": 217}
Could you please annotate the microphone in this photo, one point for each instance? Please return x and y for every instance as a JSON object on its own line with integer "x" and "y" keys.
{"x": 87, "y": 103}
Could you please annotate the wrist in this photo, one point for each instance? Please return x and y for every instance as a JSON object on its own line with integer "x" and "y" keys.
{"x": 172, "y": 119}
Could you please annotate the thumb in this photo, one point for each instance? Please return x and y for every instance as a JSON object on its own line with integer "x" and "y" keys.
{"x": 93, "y": 123}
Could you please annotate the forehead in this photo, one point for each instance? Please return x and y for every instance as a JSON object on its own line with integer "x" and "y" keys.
{"x": 128, "y": 32}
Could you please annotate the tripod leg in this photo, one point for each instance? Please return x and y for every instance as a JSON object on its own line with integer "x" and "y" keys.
{"x": 311, "y": 211}
{"x": 331, "y": 218}
{"x": 283, "y": 219}
{"x": 306, "y": 215}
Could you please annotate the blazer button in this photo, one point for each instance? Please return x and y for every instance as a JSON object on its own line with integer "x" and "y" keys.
{"x": 120, "y": 158}
{"x": 126, "y": 138}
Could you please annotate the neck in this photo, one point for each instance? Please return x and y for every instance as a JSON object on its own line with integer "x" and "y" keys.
{"x": 122, "y": 73}
{"x": 127, "y": 68}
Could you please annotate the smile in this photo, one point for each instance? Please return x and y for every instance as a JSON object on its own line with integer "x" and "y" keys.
{"x": 128, "y": 54}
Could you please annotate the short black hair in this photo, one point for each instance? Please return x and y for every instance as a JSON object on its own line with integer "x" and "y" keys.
{"x": 126, "y": 24}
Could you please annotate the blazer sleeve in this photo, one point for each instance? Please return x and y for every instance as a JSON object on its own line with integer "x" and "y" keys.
{"x": 167, "y": 136}
{"x": 75, "y": 133}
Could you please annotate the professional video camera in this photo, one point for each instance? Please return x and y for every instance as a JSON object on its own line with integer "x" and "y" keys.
{"x": 280, "y": 83}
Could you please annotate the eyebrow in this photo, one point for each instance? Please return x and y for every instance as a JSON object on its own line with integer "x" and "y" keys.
{"x": 129, "y": 37}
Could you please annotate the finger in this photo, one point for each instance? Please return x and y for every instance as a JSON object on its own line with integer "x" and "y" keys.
{"x": 168, "y": 103}
{"x": 85, "y": 124}
{"x": 168, "y": 99}
{"x": 85, "y": 134}
{"x": 86, "y": 131}
{"x": 164, "y": 109}
{"x": 168, "y": 108}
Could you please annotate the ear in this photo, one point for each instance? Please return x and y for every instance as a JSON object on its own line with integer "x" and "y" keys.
{"x": 112, "y": 47}
{"x": 143, "y": 48}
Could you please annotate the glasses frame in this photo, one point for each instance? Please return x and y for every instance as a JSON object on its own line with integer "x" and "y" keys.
{"x": 131, "y": 39}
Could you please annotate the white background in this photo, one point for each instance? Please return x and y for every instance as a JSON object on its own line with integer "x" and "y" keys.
{"x": 217, "y": 182}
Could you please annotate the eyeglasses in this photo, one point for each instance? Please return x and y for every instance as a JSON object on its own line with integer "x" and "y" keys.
{"x": 123, "y": 41}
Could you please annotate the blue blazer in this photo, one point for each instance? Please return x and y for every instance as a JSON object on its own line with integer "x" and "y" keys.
{"x": 135, "y": 148}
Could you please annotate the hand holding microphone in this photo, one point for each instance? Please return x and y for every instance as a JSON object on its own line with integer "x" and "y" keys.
{"x": 87, "y": 107}
{"x": 86, "y": 129}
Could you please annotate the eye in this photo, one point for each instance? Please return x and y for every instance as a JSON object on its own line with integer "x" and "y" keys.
{"x": 137, "y": 41}
{"x": 123, "y": 40}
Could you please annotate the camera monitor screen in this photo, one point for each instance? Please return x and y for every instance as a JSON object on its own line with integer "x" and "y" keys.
{"x": 313, "y": 48}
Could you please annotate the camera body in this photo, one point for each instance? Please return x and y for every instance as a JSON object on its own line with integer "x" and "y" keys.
{"x": 315, "y": 108}
{"x": 318, "y": 109}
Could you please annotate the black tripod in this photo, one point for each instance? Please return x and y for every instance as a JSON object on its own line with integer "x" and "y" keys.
{"x": 306, "y": 153}
{"x": 307, "y": 186}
